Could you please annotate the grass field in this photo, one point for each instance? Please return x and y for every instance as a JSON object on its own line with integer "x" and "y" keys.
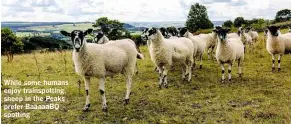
{"x": 259, "y": 97}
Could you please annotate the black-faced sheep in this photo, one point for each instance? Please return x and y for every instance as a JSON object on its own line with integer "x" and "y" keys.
{"x": 101, "y": 60}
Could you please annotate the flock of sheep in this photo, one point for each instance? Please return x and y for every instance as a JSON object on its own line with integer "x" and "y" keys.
{"x": 168, "y": 48}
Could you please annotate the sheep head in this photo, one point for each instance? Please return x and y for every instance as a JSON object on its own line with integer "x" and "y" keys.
{"x": 77, "y": 37}
{"x": 221, "y": 33}
{"x": 144, "y": 35}
{"x": 273, "y": 30}
{"x": 98, "y": 36}
{"x": 182, "y": 32}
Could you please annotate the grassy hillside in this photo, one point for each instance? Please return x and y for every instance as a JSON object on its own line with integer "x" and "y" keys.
{"x": 259, "y": 97}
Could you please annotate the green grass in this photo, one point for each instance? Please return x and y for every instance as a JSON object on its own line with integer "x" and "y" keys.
{"x": 259, "y": 97}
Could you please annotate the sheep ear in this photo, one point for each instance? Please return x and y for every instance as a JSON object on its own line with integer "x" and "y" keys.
{"x": 89, "y": 31}
{"x": 65, "y": 33}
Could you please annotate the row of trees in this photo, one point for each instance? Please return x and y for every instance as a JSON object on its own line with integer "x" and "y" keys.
{"x": 198, "y": 19}
{"x": 281, "y": 16}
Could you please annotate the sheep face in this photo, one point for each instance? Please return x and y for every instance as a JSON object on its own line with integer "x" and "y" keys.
{"x": 273, "y": 30}
{"x": 221, "y": 33}
{"x": 239, "y": 31}
{"x": 144, "y": 35}
{"x": 77, "y": 37}
{"x": 266, "y": 32}
{"x": 164, "y": 32}
{"x": 182, "y": 32}
{"x": 152, "y": 33}
{"x": 99, "y": 35}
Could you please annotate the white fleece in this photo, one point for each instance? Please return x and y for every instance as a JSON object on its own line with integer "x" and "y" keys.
{"x": 101, "y": 60}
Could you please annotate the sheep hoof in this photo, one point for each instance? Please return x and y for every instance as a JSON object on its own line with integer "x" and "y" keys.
{"x": 166, "y": 85}
{"x": 189, "y": 81}
{"x": 273, "y": 69}
{"x": 104, "y": 109}
{"x": 126, "y": 101}
{"x": 160, "y": 86}
{"x": 200, "y": 67}
{"x": 136, "y": 72}
{"x": 239, "y": 75}
{"x": 279, "y": 69}
{"x": 222, "y": 80}
{"x": 86, "y": 108}
{"x": 229, "y": 80}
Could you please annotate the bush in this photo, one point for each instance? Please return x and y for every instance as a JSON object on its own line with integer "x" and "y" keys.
{"x": 137, "y": 39}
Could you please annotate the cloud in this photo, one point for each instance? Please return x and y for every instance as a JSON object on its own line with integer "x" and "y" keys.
{"x": 135, "y": 10}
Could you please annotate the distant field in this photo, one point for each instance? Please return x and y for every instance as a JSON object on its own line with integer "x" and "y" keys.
{"x": 67, "y": 27}
{"x": 57, "y": 28}
{"x": 260, "y": 97}
{"x": 26, "y": 34}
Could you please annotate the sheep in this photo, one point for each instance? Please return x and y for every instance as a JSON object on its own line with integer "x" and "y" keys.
{"x": 101, "y": 60}
{"x": 254, "y": 35}
{"x": 245, "y": 38}
{"x": 167, "y": 52}
{"x": 173, "y": 32}
{"x": 228, "y": 51}
{"x": 100, "y": 38}
{"x": 277, "y": 43}
{"x": 198, "y": 42}
{"x": 144, "y": 36}
{"x": 165, "y": 32}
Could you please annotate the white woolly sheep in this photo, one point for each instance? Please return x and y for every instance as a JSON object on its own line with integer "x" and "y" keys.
{"x": 228, "y": 51}
{"x": 198, "y": 42}
{"x": 167, "y": 52}
{"x": 210, "y": 39}
{"x": 254, "y": 35}
{"x": 101, "y": 60}
{"x": 246, "y": 39}
{"x": 277, "y": 43}
{"x": 100, "y": 38}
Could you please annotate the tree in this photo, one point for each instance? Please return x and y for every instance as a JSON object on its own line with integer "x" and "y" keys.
{"x": 10, "y": 44}
{"x": 239, "y": 21}
{"x": 227, "y": 23}
{"x": 198, "y": 18}
{"x": 283, "y": 15}
{"x": 112, "y": 28}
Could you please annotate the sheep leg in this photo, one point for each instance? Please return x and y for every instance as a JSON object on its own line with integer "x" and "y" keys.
{"x": 160, "y": 76}
{"x": 222, "y": 71}
{"x": 201, "y": 57}
{"x": 189, "y": 70}
{"x": 273, "y": 61}
{"x": 165, "y": 81}
{"x": 87, "y": 84}
{"x": 209, "y": 52}
{"x": 194, "y": 64}
{"x": 279, "y": 61}
{"x": 239, "y": 68}
{"x": 128, "y": 89}
{"x": 183, "y": 72}
{"x": 229, "y": 71}
{"x": 102, "y": 92}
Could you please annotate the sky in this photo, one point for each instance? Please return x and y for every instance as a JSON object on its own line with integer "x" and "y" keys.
{"x": 135, "y": 10}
